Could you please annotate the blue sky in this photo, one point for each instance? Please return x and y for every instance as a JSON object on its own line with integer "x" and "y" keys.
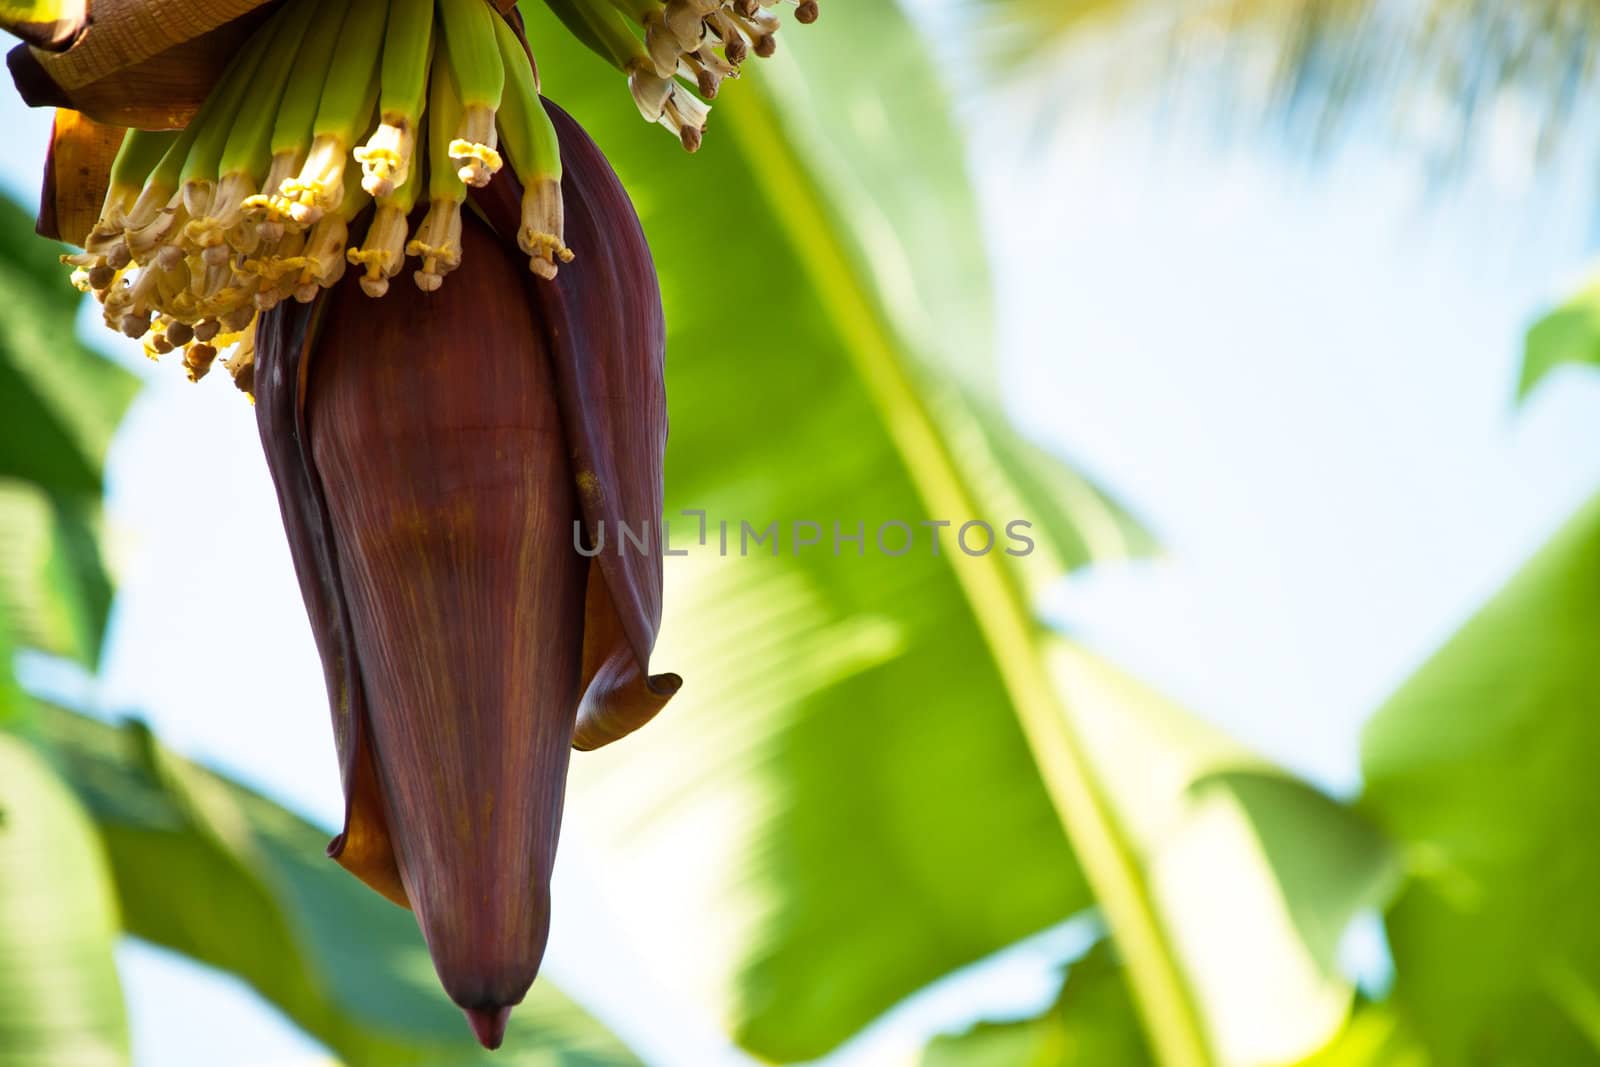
{"x": 1301, "y": 377}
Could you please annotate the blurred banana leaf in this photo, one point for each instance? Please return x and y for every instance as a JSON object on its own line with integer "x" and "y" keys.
{"x": 1375, "y": 1037}
{"x": 1435, "y": 77}
{"x": 60, "y": 1001}
{"x": 842, "y": 793}
{"x": 1569, "y": 334}
{"x": 842, "y": 796}
{"x": 1091, "y": 1024}
{"x": 16, "y": 711}
{"x": 1482, "y": 764}
{"x": 1255, "y": 873}
{"x": 59, "y": 401}
{"x": 212, "y": 870}
{"x": 53, "y": 584}
{"x": 813, "y": 790}
{"x": 891, "y": 187}
{"x": 59, "y": 404}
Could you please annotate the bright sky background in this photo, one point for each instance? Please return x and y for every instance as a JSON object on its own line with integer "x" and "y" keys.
{"x": 1301, "y": 378}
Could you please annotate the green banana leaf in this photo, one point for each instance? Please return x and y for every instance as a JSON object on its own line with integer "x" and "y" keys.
{"x": 1332, "y": 66}
{"x": 59, "y": 404}
{"x": 1482, "y": 764}
{"x": 59, "y": 401}
{"x": 60, "y": 1002}
{"x": 1569, "y": 334}
{"x": 53, "y": 584}
{"x": 16, "y": 711}
{"x": 1375, "y": 1037}
{"x": 212, "y": 870}
{"x": 1091, "y": 1024}
{"x": 1255, "y": 873}
{"x": 841, "y": 806}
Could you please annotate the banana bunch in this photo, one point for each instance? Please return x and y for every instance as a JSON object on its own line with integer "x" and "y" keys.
{"x": 335, "y": 107}
{"x": 701, "y": 41}
{"x": 332, "y": 107}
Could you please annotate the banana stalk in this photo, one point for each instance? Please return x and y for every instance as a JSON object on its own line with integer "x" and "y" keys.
{"x": 578, "y": 26}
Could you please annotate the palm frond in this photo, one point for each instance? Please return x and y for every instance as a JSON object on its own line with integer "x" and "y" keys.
{"x": 1434, "y": 73}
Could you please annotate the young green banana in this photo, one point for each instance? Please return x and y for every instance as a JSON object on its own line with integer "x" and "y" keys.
{"x": 214, "y": 121}
{"x": 660, "y": 44}
{"x": 437, "y": 241}
{"x": 297, "y": 111}
{"x": 605, "y": 25}
{"x": 136, "y": 157}
{"x": 535, "y": 154}
{"x": 324, "y": 251}
{"x": 247, "y": 155}
{"x": 383, "y": 252}
{"x": 349, "y": 96}
{"x": 407, "y": 55}
{"x": 659, "y": 99}
{"x": 159, "y": 203}
{"x": 473, "y": 53}
{"x": 277, "y": 269}
{"x": 572, "y": 18}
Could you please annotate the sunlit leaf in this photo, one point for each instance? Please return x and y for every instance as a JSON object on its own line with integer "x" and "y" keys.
{"x": 53, "y": 586}
{"x": 1374, "y": 1037}
{"x": 1255, "y": 873}
{"x": 1092, "y": 1024}
{"x": 16, "y": 712}
{"x": 59, "y": 403}
{"x": 216, "y": 872}
{"x": 1482, "y": 764}
{"x": 60, "y": 1001}
{"x": 1570, "y": 334}
{"x": 888, "y": 172}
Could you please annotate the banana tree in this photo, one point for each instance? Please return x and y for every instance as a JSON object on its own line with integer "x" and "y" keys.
{"x": 141, "y": 843}
{"x": 878, "y": 771}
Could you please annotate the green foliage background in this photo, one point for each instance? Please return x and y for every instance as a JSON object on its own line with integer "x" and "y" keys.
{"x": 880, "y": 774}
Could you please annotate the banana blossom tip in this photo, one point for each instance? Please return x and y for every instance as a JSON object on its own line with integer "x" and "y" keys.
{"x": 431, "y": 456}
